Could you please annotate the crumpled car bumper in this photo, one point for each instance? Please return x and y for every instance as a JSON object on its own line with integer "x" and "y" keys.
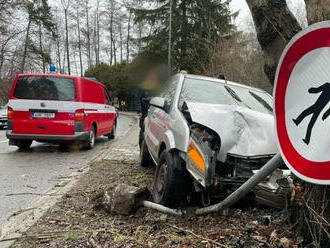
{"x": 275, "y": 190}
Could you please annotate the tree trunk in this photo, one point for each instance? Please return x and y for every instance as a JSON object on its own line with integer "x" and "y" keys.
{"x": 121, "y": 40}
{"x": 26, "y": 44}
{"x": 88, "y": 36}
{"x": 97, "y": 33}
{"x": 67, "y": 40}
{"x": 41, "y": 50}
{"x": 275, "y": 26}
{"x": 79, "y": 45}
{"x": 317, "y": 10}
{"x": 128, "y": 36}
{"x": 111, "y": 31}
{"x": 59, "y": 54}
{"x": 184, "y": 35}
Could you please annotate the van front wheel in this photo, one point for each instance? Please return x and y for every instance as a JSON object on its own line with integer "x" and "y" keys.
{"x": 112, "y": 135}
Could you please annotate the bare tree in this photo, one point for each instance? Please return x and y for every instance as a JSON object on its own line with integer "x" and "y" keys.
{"x": 66, "y": 5}
{"x": 88, "y": 35}
{"x": 128, "y": 35}
{"x": 79, "y": 40}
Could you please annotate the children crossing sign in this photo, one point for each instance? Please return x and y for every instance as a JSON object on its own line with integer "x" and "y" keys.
{"x": 302, "y": 104}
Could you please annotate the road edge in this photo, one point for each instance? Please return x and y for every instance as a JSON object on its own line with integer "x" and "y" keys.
{"x": 13, "y": 228}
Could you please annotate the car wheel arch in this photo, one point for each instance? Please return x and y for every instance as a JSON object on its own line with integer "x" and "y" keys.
{"x": 95, "y": 127}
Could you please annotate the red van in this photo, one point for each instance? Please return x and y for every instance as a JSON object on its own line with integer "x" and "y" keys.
{"x": 59, "y": 109}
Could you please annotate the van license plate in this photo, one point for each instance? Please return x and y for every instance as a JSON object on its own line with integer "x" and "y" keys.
{"x": 44, "y": 115}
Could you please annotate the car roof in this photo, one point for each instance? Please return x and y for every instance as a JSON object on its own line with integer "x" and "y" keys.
{"x": 226, "y": 82}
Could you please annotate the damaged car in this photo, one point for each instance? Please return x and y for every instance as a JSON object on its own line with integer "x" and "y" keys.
{"x": 207, "y": 135}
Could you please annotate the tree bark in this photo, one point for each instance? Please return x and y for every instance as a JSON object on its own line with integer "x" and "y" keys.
{"x": 317, "y": 10}
{"x": 275, "y": 26}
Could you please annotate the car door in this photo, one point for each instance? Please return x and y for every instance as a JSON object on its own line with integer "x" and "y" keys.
{"x": 159, "y": 118}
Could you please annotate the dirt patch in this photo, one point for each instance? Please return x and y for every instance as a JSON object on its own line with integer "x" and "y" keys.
{"x": 73, "y": 222}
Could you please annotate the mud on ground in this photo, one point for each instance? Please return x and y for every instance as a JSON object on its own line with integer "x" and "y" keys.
{"x": 73, "y": 222}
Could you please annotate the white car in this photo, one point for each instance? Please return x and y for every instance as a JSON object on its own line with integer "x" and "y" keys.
{"x": 206, "y": 135}
{"x": 3, "y": 117}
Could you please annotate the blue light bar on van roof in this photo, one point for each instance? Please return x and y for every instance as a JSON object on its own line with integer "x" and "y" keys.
{"x": 92, "y": 78}
{"x": 52, "y": 68}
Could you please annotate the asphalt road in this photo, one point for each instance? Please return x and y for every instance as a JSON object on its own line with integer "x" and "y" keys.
{"x": 39, "y": 169}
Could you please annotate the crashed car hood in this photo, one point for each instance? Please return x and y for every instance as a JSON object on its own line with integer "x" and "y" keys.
{"x": 243, "y": 132}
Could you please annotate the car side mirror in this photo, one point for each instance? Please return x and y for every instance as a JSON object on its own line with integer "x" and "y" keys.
{"x": 158, "y": 102}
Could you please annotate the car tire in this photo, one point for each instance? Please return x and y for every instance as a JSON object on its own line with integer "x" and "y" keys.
{"x": 24, "y": 144}
{"x": 90, "y": 143}
{"x": 145, "y": 158}
{"x": 172, "y": 182}
{"x": 112, "y": 135}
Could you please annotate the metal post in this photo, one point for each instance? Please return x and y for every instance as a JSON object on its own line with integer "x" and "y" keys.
{"x": 266, "y": 170}
{"x": 170, "y": 40}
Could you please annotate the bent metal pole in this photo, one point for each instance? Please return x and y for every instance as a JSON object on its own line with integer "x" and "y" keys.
{"x": 266, "y": 170}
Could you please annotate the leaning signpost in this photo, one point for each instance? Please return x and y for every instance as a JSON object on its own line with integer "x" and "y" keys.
{"x": 302, "y": 113}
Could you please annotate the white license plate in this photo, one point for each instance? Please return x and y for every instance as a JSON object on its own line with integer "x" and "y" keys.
{"x": 44, "y": 115}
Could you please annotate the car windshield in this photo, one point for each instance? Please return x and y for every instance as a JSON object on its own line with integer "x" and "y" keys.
{"x": 4, "y": 106}
{"x": 207, "y": 91}
{"x": 45, "y": 88}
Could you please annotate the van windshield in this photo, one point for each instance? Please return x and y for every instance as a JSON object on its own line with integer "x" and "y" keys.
{"x": 45, "y": 88}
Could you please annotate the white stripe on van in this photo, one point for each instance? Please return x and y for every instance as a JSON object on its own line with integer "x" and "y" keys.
{"x": 61, "y": 106}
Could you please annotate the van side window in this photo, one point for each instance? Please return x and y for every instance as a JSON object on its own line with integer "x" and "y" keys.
{"x": 107, "y": 97}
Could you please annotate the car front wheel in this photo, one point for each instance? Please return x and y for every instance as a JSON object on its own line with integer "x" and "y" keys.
{"x": 172, "y": 181}
{"x": 145, "y": 158}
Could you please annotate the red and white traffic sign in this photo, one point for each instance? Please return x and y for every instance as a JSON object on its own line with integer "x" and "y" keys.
{"x": 302, "y": 104}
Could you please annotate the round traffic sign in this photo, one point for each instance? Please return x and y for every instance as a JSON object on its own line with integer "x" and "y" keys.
{"x": 302, "y": 104}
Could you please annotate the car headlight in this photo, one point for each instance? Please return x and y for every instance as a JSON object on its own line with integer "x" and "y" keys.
{"x": 195, "y": 154}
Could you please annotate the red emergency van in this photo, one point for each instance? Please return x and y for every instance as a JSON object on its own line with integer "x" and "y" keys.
{"x": 60, "y": 109}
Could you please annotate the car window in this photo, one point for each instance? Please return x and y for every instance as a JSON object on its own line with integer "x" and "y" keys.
{"x": 44, "y": 88}
{"x": 207, "y": 91}
{"x": 107, "y": 97}
{"x": 170, "y": 89}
